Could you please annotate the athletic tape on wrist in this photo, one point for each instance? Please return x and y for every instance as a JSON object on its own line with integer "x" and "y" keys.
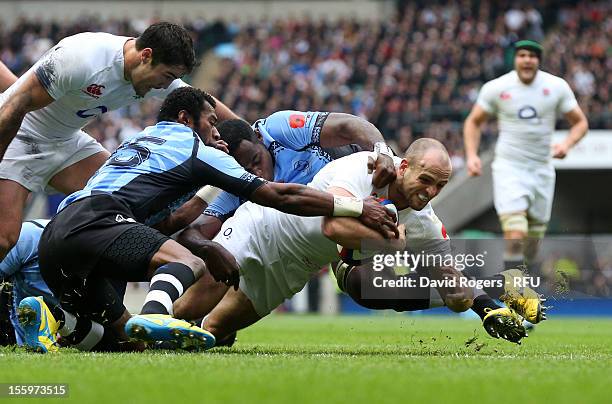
{"x": 208, "y": 193}
{"x": 382, "y": 148}
{"x": 347, "y": 206}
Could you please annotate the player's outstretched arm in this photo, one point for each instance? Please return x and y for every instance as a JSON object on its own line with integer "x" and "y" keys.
{"x": 29, "y": 95}
{"x": 471, "y": 139}
{"x": 202, "y": 229}
{"x": 7, "y": 78}
{"x": 223, "y": 112}
{"x": 579, "y": 127}
{"x": 342, "y": 129}
{"x": 301, "y": 200}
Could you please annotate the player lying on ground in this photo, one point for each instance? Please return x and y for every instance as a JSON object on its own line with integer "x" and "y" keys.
{"x": 104, "y": 230}
{"x": 287, "y": 146}
{"x": 278, "y": 253}
{"x": 203, "y": 296}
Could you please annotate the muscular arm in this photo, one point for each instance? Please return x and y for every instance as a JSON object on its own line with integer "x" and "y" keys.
{"x": 7, "y": 78}
{"x": 342, "y": 129}
{"x": 305, "y": 201}
{"x": 202, "y": 229}
{"x": 347, "y": 231}
{"x": 471, "y": 138}
{"x": 579, "y": 127}
{"x": 182, "y": 217}
{"x": 223, "y": 112}
{"x": 29, "y": 96}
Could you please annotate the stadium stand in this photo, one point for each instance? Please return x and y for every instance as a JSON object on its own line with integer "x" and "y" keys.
{"x": 416, "y": 75}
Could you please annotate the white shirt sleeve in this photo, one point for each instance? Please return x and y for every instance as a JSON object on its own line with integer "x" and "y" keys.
{"x": 487, "y": 98}
{"x": 567, "y": 99}
{"x": 61, "y": 69}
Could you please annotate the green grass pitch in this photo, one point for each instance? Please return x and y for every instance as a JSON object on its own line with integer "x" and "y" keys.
{"x": 354, "y": 359}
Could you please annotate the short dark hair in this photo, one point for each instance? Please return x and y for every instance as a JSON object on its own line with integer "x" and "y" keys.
{"x": 190, "y": 99}
{"x": 234, "y": 131}
{"x": 171, "y": 45}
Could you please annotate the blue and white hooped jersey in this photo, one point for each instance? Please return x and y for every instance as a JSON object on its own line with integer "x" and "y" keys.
{"x": 20, "y": 267}
{"x": 160, "y": 169}
{"x": 293, "y": 139}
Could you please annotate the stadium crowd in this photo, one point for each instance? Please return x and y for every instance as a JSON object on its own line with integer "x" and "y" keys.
{"x": 416, "y": 75}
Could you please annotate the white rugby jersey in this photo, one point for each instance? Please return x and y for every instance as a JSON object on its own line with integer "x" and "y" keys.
{"x": 526, "y": 113}
{"x": 290, "y": 239}
{"x": 84, "y": 74}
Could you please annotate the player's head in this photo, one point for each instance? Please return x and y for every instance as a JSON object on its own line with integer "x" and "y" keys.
{"x": 423, "y": 172}
{"x": 166, "y": 54}
{"x": 193, "y": 108}
{"x": 527, "y": 58}
{"x": 247, "y": 148}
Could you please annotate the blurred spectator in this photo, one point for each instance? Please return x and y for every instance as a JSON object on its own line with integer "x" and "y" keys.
{"x": 416, "y": 74}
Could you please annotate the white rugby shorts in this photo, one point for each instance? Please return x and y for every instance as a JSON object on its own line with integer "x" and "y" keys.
{"x": 266, "y": 278}
{"x": 32, "y": 160}
{"x": 529, "y": 188}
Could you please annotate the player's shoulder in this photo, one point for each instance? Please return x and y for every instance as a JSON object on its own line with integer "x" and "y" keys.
{"x": 92, "y": 50}
{"x": 551, "y": 79}
{"x": 501, "y": 82}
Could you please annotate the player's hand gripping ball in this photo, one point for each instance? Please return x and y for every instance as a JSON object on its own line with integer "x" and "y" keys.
{"x": 358, "y": 257}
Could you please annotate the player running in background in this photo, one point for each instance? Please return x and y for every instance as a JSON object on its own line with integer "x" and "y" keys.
{"x": 82, "y": 77}
{"x": 278, "y": 253}
{"x": 526, "y": 103}
{"x": 103, "y": 231}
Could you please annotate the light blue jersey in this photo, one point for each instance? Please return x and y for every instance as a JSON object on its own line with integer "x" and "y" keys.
{"x": 20, "y": 267}
{"x": 293, "y": 139}
{"x": 160, "y": 169}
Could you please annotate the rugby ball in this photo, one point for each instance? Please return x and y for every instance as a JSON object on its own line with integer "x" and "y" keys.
{"x": 358, "y": 257}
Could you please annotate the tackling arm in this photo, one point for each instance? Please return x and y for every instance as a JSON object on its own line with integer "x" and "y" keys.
{"x": 350, "y": 233}
{"x": 343, "y": 129}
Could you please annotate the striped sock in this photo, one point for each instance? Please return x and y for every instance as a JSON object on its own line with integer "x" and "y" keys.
{"x": 167, "y": 285}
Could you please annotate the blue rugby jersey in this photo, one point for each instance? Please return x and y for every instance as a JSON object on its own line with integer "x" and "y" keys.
{"x": 160, "y": 169}
{"x": 20, "y": 267}
{"x": 293, "y": 138}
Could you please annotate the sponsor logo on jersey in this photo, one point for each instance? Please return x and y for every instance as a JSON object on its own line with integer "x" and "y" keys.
{"x": 546, "y": 92}
{"x": 94, "y": 90}
{"x": 527, "y": 112}
{"x": 88, "y": 113}
{"x": 505, "y": 96}
{"x": 301, "y": 165}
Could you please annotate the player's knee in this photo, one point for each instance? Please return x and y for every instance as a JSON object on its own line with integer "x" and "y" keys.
{"x": 514, "y": 225}
{"x": 196, "y": 264}
{"x": 181, "y": 310}
{"x": 214, "y": 326}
